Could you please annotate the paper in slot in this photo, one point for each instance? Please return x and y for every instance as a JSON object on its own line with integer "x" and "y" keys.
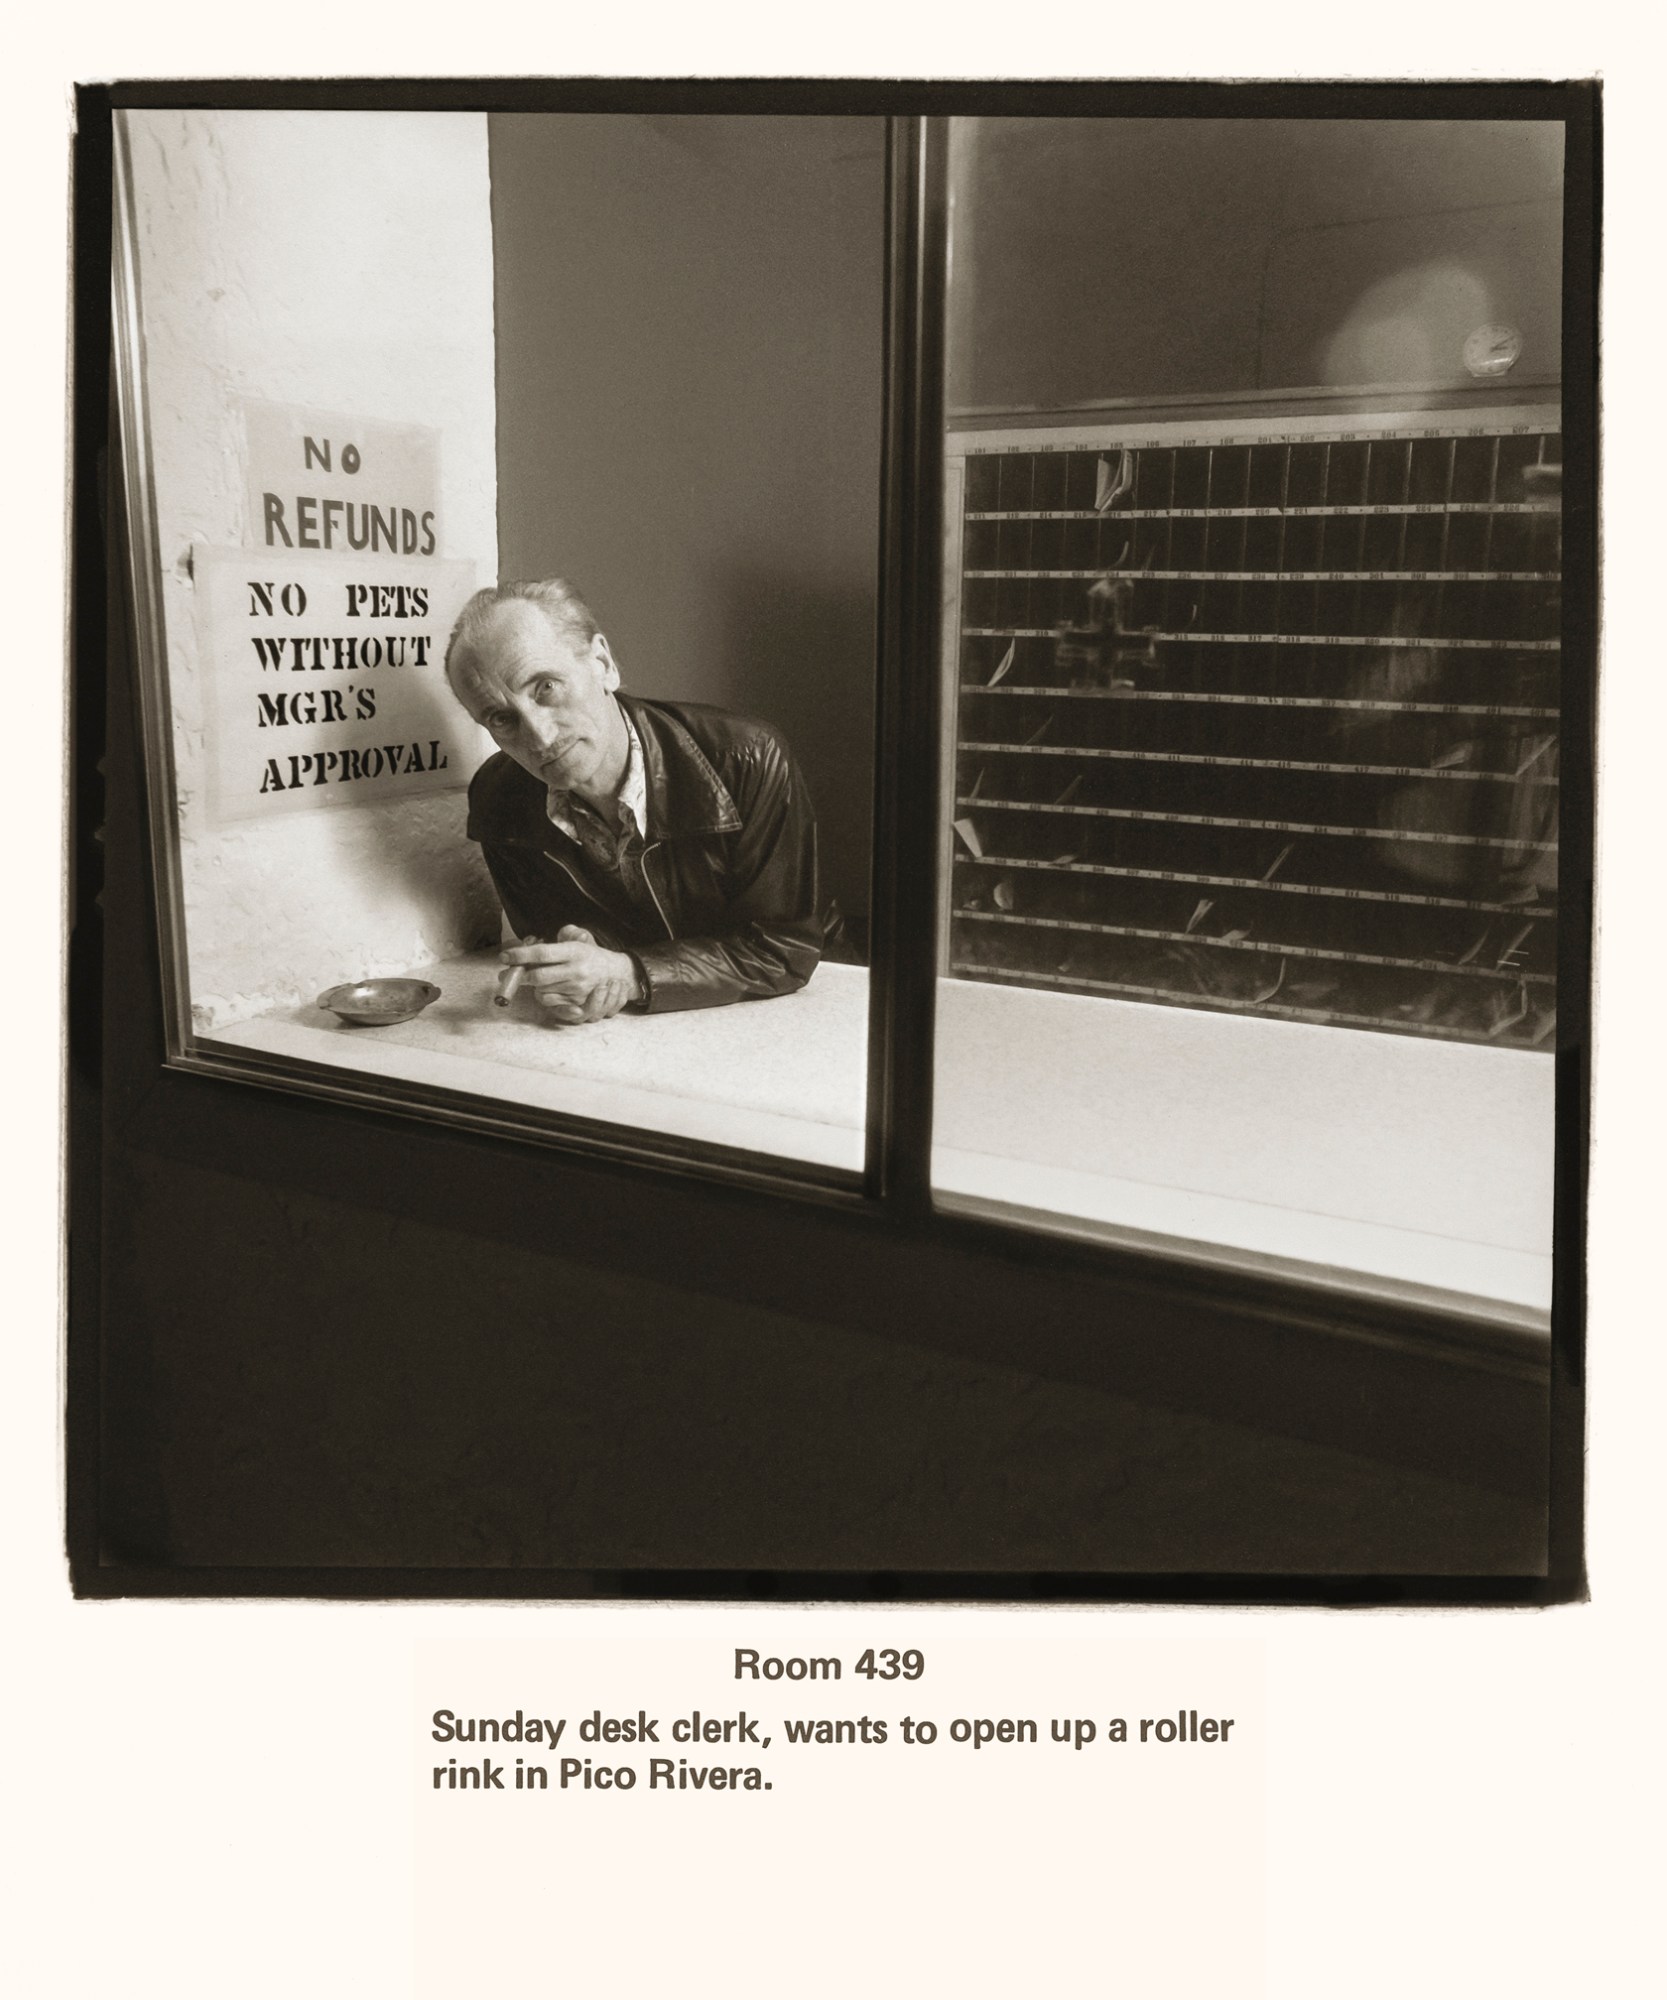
{"x": 1508, "y": 955}
{"x": 1261, "y": 999}
{"x": 1113, "y": 480}
{"x": 1513, "y": 1016}
{"x": 1540, "y": 746}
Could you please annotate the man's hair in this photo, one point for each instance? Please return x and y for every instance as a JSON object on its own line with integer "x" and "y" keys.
{"x": 566, "y": 610}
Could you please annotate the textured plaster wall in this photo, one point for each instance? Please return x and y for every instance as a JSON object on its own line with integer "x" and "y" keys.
{"x": 342, "y": 262}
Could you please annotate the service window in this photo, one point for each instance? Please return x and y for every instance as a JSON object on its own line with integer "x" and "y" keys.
{"x": 1251, "y": 681}
{"x": 607, "y": 390}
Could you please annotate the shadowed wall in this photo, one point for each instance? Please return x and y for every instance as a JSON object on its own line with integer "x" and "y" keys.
{"x": 689, "y": 317}
{"x": 1136, "y": 257}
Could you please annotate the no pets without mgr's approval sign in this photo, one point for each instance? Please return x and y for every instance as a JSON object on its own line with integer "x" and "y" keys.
{"x": 323, "y": 638}
{"x": 326, "y": 680}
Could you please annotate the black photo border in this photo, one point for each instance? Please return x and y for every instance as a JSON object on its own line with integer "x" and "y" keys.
{"x": 1242, "y": 1336}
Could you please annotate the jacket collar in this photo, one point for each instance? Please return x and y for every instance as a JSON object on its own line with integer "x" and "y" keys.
{"x": 561, "y": 808}
{"x": 685, "y": 794}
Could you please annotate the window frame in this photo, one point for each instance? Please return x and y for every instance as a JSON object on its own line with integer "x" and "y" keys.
{"x": 894, "y": 1192}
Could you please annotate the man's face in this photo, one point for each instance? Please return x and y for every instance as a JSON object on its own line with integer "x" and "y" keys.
{"x": 544, "y": 702}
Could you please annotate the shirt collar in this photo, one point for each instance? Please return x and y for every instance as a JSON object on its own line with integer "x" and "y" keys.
{"x": 631, "y": 799}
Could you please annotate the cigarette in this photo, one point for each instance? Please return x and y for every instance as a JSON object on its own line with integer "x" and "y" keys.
{"x": 512, "y": 975}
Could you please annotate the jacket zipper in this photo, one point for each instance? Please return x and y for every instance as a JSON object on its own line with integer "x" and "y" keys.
{"x": 654, "y": 848}
{"x": 654, "y": 894}
{"x": 583, "y": 891}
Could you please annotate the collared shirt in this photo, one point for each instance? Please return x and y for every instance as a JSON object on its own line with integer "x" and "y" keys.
{"x": 570, "y": 813}
{"x": 613, "y": 851}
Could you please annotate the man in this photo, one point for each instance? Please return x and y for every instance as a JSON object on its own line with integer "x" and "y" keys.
{"x": 650, "y": 854}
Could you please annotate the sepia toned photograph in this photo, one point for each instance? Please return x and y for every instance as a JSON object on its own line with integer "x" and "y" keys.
{"x": 834, "y": 838}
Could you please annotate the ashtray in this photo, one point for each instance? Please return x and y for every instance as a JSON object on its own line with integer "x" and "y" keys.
{"x": 378, "y": 1003}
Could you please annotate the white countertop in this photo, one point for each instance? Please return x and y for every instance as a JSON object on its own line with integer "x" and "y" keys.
{"x": 1380, "y": 1157}
{"x": 786, "y": 1077}
{"x": 1424, "y": 1162}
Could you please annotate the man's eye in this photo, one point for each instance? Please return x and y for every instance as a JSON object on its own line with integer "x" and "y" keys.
{"x": 499, "y": 720}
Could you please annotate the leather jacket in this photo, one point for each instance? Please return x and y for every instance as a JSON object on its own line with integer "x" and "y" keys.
{"x": 730, "y": 860}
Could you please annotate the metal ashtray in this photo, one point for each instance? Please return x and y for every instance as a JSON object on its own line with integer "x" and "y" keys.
{"x": 378, "y": 1003}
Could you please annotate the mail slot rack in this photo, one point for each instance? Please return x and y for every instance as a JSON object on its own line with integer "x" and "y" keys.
{"x": 1263, "y": 716}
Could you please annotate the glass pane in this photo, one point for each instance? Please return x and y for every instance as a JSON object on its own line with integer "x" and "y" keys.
{"x": 391, "y": 361}
{"x": 1251, "y": 760}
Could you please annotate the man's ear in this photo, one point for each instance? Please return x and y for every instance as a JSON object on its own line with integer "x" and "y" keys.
{"x": 602, "y": 654}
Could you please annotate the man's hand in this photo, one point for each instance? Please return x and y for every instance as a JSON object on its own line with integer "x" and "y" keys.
{"x": 576, "y": 979}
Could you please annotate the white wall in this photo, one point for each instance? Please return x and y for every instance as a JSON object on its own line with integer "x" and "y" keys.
{"x": 341, "y": 261}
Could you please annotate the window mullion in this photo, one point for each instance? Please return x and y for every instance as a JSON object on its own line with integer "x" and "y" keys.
{"x": 905, "y": 902}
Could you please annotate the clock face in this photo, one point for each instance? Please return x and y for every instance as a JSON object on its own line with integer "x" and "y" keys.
{"x": 1492, "y": 350}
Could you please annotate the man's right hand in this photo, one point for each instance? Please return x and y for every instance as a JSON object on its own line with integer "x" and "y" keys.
{"x": 575, "y": 979}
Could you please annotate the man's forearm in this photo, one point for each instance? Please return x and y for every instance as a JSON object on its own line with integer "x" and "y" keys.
{"x": 759, "y": 962}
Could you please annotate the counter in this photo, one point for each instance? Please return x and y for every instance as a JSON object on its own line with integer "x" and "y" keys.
{"x": 786, "y": 1077}
{"x": 1382, "y": 1160}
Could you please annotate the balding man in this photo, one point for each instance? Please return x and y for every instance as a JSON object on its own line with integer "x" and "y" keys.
{"x": 664, "y": 853}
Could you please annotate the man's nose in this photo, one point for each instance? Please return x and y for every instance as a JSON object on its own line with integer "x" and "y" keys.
{"x": 538, "y": 727}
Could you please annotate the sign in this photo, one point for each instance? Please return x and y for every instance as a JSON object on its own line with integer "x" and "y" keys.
{"x": 336, "y": 485}
{"x": 325, "y": 679}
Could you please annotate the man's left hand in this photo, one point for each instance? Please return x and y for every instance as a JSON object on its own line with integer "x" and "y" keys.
{"x": 576, "y": 979}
